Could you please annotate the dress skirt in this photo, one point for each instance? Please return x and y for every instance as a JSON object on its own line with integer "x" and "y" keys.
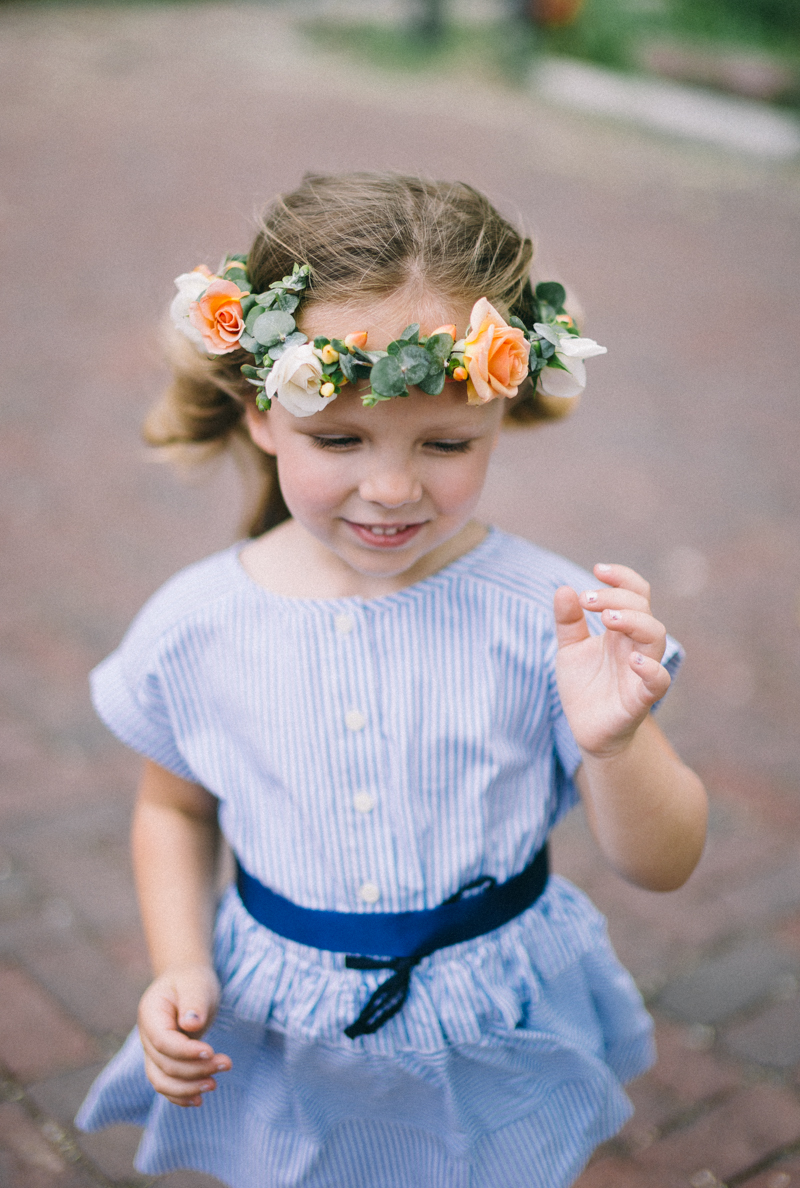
{"x": 504, "y": 1069}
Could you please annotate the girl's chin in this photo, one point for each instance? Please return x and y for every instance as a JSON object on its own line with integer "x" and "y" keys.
{"x": 384, "y": 539}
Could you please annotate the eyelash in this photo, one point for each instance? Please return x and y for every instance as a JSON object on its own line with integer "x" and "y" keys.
{"x": 344, "y": 443}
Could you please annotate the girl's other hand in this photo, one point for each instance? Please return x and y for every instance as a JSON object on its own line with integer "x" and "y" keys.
{"x": 609, "y": 682}
{"x": 174, "y": 1011}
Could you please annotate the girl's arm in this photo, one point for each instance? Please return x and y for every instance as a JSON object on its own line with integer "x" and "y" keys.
{"x": 646, "y": 809}
{"x": 175, "y": 841}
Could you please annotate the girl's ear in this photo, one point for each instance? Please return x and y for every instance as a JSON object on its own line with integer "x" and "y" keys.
{"x": 259, "y": 426}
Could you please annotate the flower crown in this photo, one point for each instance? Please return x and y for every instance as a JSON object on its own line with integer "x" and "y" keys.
{"x": 220, "y": 314}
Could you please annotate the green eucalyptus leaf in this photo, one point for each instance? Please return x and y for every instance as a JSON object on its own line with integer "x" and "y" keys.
{"x": 439, "y": 347}
{"x": 433, "y": 382}
{"x": 339, "y": 346}
{"x": 320, "y": 341}
{"x": 263, "y": 402}
{"x": 394, "y": 348}
{"x": 287, "y": 302}
{"x": 247, "y": 342}
{"x": 556, "y": 363}
{"x": 253, "y": 313}
{"x": 296, "y": 338}
{"x": 415, "y": 363}
{"x": 272, "y": 327}
{"x": 552, "y": 293}
{"x": 353, "y": 369}
{"x": 364, "y": 356}
{"x": 411, "y": 333}
{"x": 248, "y": 371}
{"x": 514, "y": 321}
{"x": 547, "y": 348}
{"x": 248, "y": 303}
{"x": 387, "y": 378}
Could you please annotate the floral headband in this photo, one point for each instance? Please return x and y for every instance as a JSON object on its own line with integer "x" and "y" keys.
{"x": 220, "y": 314}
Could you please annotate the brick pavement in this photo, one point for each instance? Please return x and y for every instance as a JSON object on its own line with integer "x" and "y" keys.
{"x": 126, "y": 168}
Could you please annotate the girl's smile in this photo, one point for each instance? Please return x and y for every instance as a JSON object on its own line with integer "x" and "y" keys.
{"x": 380, "y": 497}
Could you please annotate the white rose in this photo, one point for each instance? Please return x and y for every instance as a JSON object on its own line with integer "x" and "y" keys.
{"x": 295, "y": 380}
{"x": 570, "y": 352}
{"x": 190, "y": 286}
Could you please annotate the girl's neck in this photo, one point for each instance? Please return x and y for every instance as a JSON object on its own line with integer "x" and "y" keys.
{"x": 291, "y": 562}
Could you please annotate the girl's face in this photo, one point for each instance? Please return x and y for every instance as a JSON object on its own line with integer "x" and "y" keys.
{"x": 387, "y": 492}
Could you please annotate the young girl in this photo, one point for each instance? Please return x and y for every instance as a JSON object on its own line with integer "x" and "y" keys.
{"x": 384, "y": 707}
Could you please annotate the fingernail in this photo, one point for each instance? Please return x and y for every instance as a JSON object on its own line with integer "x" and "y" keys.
{"x": 191, "y": 1015}
{"x": 220, "y": 1066}
{"x": 615, "y": 615}
{"x": 207, "y": 1085}
{"x": 603, "y": 567}
{"x": 638, "y": 658}
{"x": 591, "y": 596}
{"x": 204, "y": 1055}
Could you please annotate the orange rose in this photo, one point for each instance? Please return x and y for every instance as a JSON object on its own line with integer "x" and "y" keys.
{"x": 495, "y": 355}
{"x": 218, "y": 316}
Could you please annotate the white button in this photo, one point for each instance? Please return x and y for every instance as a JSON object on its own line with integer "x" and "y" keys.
{"x": 363, "y": 802}
{"x": 355, "y": 720}
{"x": 344, "y": 624}
{"x": 369, "y": 893}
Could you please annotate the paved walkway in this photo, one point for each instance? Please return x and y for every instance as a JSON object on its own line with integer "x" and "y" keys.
{"x": 138, "y": 142}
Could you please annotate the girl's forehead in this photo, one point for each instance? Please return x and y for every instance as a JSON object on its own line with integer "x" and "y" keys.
{"x": 384, "y": 318}
{"x": 418, "y": 413}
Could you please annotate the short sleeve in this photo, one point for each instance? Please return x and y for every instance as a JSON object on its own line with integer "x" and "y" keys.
{"x": 128, "y": 696}
{"x": 568, "y": 756}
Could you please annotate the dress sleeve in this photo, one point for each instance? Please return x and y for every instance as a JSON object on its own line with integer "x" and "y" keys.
{"x": 568, "y": 756}
{"x": 128, "y": 695}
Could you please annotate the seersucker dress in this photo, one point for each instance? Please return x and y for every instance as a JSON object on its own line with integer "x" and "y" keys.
{"x": 375, "y": 756}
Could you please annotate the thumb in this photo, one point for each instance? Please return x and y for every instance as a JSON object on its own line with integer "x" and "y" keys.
{"x": 571, "y": 625}
{"x": 195, "y": 999}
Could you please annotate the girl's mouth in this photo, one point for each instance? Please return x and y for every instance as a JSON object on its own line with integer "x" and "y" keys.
{"x": 384, "y": 536}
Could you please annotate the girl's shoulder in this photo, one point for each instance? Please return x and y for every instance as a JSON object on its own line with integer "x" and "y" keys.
{"x": 189, "y": 595}
{"x": 519, "y": 568}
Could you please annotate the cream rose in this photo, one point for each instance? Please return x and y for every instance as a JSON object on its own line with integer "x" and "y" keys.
{"x": 570, "y": 352}
{"x": 295, "y": 381}
{"x": 495, "y": 355}
{"x": 190, "y": 286}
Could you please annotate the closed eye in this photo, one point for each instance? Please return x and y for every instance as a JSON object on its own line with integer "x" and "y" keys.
{"x": 335, "y": 443}
{"x": 449, "y": 447}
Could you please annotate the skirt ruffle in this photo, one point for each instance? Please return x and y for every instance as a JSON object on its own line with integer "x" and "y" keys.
{"x": 505, "y": 1065}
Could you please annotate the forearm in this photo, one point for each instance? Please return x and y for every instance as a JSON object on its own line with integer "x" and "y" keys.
{"x": 646, "y": 809}
{"x": 175, "y": 843}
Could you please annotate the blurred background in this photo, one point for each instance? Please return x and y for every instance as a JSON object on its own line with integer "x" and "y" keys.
{"x": 652, "y": 149}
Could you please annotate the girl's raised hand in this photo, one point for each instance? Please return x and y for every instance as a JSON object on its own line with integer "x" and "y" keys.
{"x": 608, "y": 683}
{"x": 178, "y": 1005}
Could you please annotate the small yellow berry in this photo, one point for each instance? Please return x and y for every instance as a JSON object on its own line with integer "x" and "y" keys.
{"x": 329, "y": 355}
{"x": 327, "y": 390}
{"x": 460, "y": 374}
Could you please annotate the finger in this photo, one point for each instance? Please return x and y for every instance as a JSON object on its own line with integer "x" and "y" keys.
{"x": 641, "y": 629}
{"x": 159, "y": 1029}
{"x": 570, "y": 620}
{"x": 653, "y": 675}
{"x": 176, "y": 1090}
{"x": 622, "y": 575}
{"x": 613, "y": 599}
{"x": 196, "y": 1000}
{"x": 187, "y": 1070}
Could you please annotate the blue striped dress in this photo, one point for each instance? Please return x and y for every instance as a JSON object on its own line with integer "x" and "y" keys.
{"x": 376, "y": 755}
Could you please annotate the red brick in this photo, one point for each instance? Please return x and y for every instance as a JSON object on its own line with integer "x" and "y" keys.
{"x": 611, "y": 1172}
{"x": 783, "y": 1174}
{"x": 737, "y": 1134}
{"x": 112, "y": 1151}
{"x": 27, "y": 1160}
{"x": 36, "y": 1037}
{"x": 87, "y": 982}
{"x": 691, "y": 1075}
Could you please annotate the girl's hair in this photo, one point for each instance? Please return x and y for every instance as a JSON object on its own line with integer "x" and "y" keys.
{"x": 363, "y": 235}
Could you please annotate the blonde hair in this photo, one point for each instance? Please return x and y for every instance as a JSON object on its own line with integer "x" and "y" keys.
{"x": 364, "y": 234}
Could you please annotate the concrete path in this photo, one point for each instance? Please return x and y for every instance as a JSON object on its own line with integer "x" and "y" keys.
{"x": 137, "y": 143}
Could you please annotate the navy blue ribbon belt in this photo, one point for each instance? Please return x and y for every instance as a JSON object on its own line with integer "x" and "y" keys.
{"x": 397, "y": 940}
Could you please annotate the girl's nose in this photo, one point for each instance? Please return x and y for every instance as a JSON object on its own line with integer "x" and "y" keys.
{"x": 390, "y": 486}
